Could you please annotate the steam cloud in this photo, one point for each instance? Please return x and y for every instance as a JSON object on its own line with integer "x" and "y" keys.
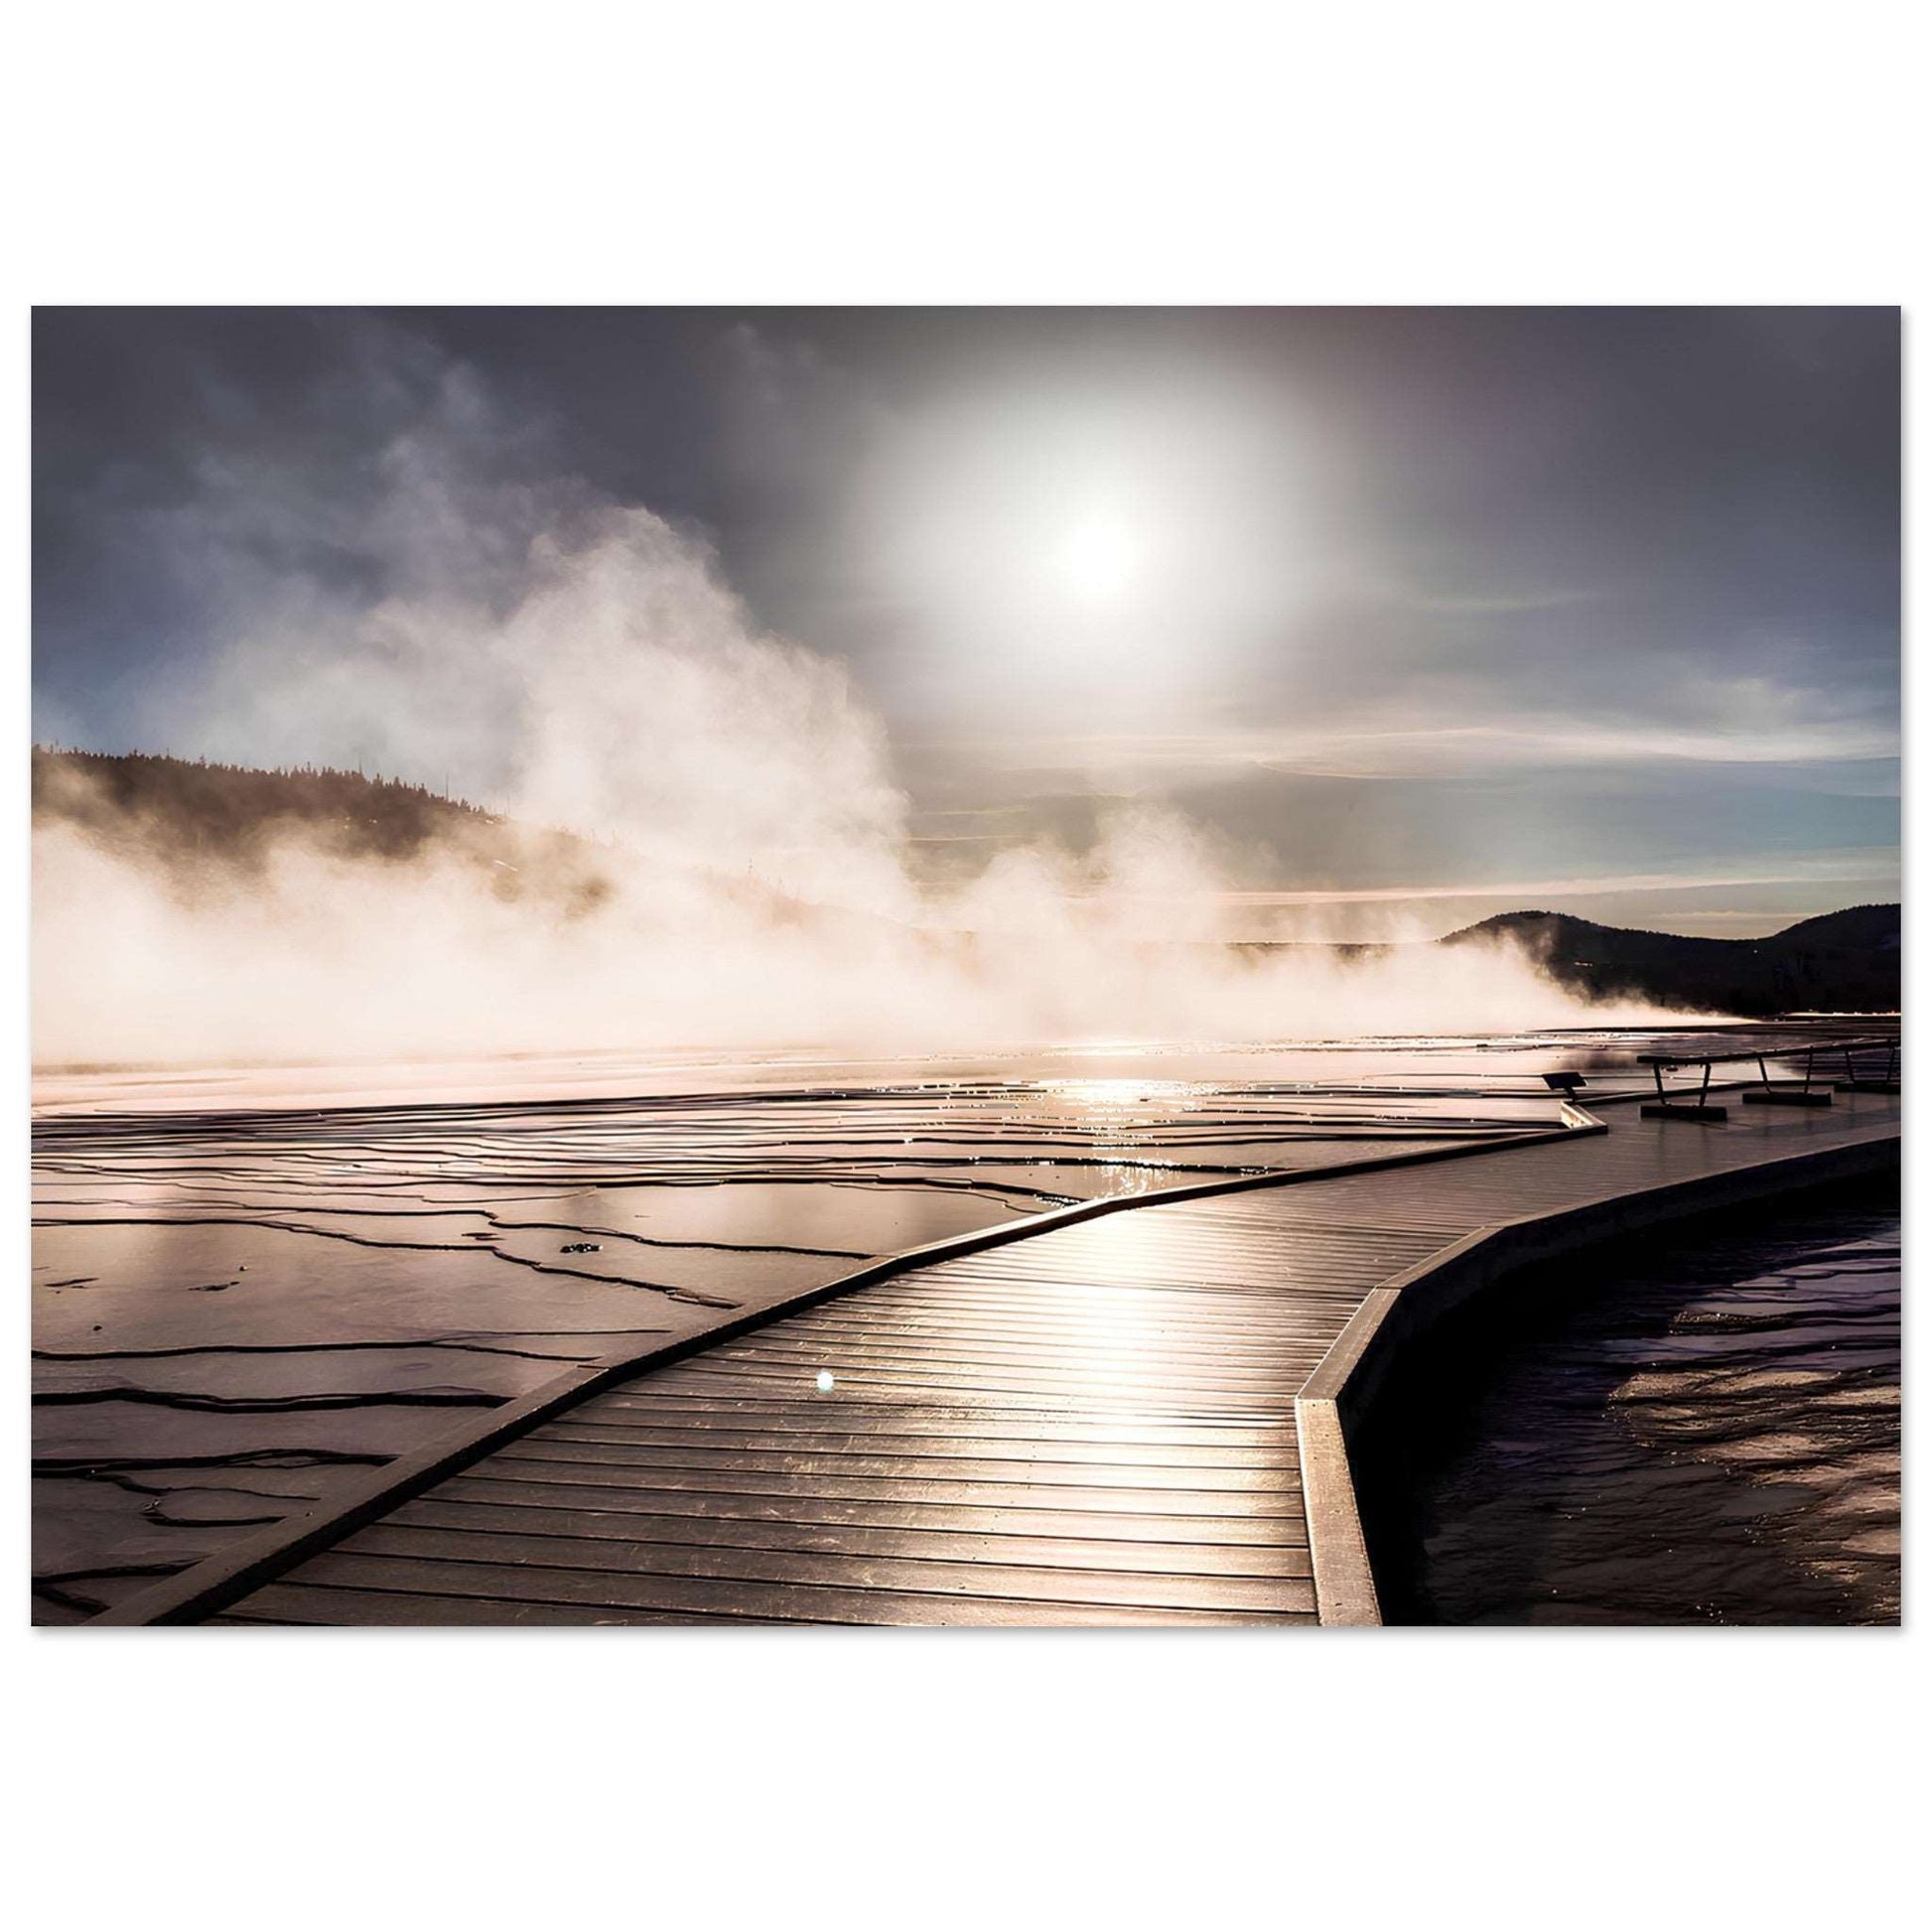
{"x": 579, "y": 663}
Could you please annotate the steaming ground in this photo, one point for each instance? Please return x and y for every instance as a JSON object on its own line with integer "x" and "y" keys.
{"x": 699, "y": 839}
{"x": 313, "y": 956}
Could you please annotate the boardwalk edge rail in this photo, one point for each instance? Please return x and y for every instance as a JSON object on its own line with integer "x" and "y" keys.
{"x": 1330, "y": 1410}
{"x": 210, "y": 1586}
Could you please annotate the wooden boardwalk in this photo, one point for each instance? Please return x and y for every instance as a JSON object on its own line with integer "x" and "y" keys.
{"x": 1095, "y": 1425}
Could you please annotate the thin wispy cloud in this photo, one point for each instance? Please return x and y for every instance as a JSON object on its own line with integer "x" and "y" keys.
{"x": 1527, "y": 890}
{"x": 1392, "y": 751}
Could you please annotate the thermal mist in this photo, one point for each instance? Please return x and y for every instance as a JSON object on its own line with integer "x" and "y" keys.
{"x": 580, "y": 664}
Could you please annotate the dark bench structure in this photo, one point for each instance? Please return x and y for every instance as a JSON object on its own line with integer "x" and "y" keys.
{"x": 1813, "y": 1087}
{"x": 1883, "y": 1082}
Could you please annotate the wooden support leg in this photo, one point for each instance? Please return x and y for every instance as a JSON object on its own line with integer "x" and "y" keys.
{"x": 1663, "y": 1108}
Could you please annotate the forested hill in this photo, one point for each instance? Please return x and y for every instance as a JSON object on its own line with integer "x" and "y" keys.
{"x": 200, "y": 822}
{"x": 1846, "y": 962}
{"x": 188, "y": 804}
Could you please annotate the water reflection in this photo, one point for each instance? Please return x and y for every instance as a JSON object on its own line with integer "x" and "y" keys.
{"x": 1709, "y": 1437}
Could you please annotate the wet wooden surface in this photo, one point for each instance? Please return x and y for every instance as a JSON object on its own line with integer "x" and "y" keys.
{"x": 1092, "y": 1426}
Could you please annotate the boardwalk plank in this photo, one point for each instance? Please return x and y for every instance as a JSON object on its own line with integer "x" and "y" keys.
{"x": 948, "y": 1566}
{"x": 1020, "y": 1519}
{"x": 1013, "y": 1447}
{"x": 778, "y": 1425}
{"x": 1198, "y": 1554}
{"x": 704, "y": 1484}
{"x": 307, "y": 1604}
{"x": 763, "y": 1603}
{"x": 982, "y": 1471}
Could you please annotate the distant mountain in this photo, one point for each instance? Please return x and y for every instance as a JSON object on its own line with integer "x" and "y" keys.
{"x": 1843, "y": 962}
{"x": 1867, "y": 928}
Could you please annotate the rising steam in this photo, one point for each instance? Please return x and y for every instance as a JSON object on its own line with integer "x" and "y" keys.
{"x": 581, "y": 664}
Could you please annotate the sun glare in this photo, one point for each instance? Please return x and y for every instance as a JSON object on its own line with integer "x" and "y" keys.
{"x": 1098, "y": 560}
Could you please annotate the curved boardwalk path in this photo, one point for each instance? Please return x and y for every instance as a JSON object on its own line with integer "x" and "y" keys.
{"x": 1094, "y": 1425}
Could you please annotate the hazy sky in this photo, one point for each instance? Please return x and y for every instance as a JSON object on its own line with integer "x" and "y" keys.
{"x": 1431, "y": 612}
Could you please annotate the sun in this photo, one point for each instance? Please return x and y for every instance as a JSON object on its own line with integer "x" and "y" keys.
{"x": 1098, "y": 560}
